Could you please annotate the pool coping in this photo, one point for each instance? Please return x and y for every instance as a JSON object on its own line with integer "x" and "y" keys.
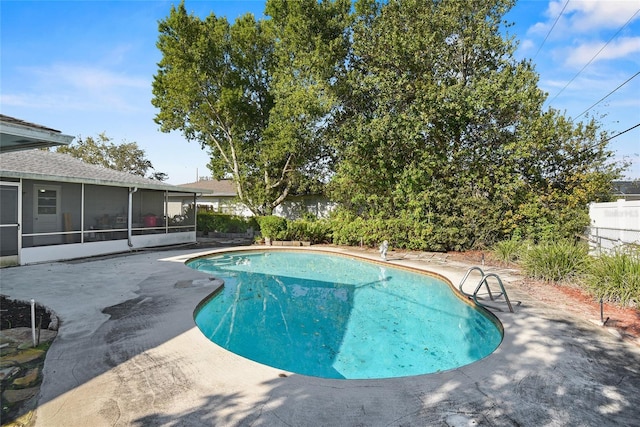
{"x": 462, "y": 297}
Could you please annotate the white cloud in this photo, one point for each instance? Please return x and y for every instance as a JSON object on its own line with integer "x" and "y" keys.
{"x": 526, "y": 45}
{"x": 585, "y": 17}
{"x": 83, "y": 77}
{"x": 80, "y": 87}
{"x": 616, "y": 49}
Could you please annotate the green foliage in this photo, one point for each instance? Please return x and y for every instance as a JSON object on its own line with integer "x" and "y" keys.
{"x": 272, "y": 227}
{"x": 616, "y": 277}
{"x": 403, "y": 233}
{"x": 556, "y": 261}
{"x": 125, "y": 157}
{"x": 442, "y": 127}
{"x": 426, "y": 129}
{"x": 308, "y": 230}
{"x": 508, "y": 250}
{"x": 221, "y": 223}
{"x": 255, "y": 93}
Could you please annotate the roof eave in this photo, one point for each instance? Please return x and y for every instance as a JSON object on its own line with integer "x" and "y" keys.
{"x": 17, "y": 137}
{"x": 46, "y": 177}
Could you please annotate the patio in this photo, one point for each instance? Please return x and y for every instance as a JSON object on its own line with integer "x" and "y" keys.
{"x": 128, "y": 354}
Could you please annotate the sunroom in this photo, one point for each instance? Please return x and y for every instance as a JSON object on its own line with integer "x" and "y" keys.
{"x": 56, "y": 207}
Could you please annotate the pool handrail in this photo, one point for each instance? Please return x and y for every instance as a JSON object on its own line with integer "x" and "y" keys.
{"x": 484, "y": 281}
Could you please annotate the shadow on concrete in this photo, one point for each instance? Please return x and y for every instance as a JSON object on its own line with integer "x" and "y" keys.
{"x": 563, "y": 375}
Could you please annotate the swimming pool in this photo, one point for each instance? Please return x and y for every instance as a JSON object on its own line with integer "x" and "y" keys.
{"x": 334, "y": 316}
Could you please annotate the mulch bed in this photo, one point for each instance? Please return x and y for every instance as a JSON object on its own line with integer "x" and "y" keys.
{"x": 16, "y": 314}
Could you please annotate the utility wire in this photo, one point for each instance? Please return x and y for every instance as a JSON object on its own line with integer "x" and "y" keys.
{"x": 624, "y": 131}
{"x": 594, "y": 56}
{"x": 551, "y": 29}
{"x": 607, "y": 95}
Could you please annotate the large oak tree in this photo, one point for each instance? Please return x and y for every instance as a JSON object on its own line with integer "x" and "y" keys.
{"x": 441, "y": 126}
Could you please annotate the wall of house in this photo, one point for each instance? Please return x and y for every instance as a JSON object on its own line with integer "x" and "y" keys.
{"x": 292, "y": 208}
{"x": 105, "y": 221}
{"x": 614, "y": 224}
{"x": 68, "y": 220}
{"x": 296, "y": 207}
{"x": 72, "y": 251}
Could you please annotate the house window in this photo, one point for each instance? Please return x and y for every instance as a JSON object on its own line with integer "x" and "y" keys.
{"x": 47, "y": 201}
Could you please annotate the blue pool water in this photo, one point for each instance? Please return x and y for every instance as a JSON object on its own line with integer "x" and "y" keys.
{"x": 336, "y": 317}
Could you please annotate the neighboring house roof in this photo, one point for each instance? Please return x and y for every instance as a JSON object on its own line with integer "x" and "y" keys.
{"x": 16, "y": 134}
{"x": 626, "y": 188}
{"x": 212, "y": 187}
{"x": 49, "y": 166}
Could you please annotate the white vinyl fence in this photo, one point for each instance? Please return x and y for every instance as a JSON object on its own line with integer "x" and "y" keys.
{"x": 614, "y": 224}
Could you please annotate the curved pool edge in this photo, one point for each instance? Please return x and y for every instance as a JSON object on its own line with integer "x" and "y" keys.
{"x": 348, "y": 252}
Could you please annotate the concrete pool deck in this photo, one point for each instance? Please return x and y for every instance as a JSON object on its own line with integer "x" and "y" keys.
{"x": 128, "y": 354}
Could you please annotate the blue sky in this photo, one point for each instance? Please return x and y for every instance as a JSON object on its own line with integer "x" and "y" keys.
{"x": 86, "y": 67}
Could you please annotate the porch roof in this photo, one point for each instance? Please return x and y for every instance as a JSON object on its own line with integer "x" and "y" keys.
{"x": 16, "y": 134}
{"x": 49, "y": 166}
{"x": 214, "y": 187}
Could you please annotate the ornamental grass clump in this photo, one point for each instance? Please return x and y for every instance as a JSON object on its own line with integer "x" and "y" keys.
{"x": 615, "y": 277}
{"x": 508, "y": 250}
{"x": 556, "y": 261}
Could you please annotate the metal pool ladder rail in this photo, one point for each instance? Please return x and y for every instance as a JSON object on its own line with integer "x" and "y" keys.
{"x": 484, "y": 281}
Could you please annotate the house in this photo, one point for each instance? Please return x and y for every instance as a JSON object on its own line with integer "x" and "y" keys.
{"x": 57, "y": 207}
{"x": 221, "y": 196}
{"x": 218, "y": 196}
{"x": 627, "y": 190}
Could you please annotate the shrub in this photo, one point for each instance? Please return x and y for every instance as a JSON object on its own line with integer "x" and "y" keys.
{"x": 272, "y": 227}
{"x": 556, "y": 261}
{"x": 508, "y": 250}
{"x": 616, "y": 277}
{"x": 311, "y": 230}
{"x": 206, "y": 221}
{"x": 399, "y": 232}
{"x": 223, "y": 223}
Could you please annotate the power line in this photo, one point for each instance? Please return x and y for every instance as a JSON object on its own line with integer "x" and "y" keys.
{"x": 607, "y": 95}
{"x": 624, "y": 131}
{"x": 594, "y": 56}
{"x": 551, "y": 29}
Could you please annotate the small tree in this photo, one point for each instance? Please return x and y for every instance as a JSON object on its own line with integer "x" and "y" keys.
{"x": 125, "y": 157}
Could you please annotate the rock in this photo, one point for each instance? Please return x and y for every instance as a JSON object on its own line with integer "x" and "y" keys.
{"x": 8, "y": 372}
{"x": 53, "y": 325}
{"x": 14, "y": 396}
{"x": 25, "y": 356}
{"x": 24, "y": 338}
{"x": 28, "y": 379}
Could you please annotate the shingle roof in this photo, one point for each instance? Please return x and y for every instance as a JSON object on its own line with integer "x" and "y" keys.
{"x": 14, "y": 121}
{"x": 224, "y": 187}
{"x": 625, "y": 188}
{"x": 45, "y": 165}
